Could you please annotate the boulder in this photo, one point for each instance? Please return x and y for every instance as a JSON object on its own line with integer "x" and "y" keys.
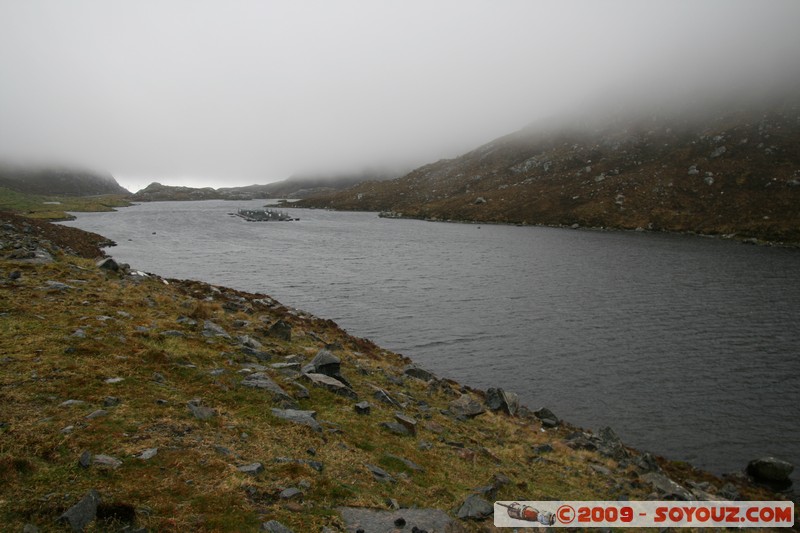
{"x": 409, "y": 423}
{"x": 273, "y": 526}
{"x": 356, "y": 518}
{"x": 210, "y": 329}
{"x": 416, "y": 372}
{"x": 362, "y": 408}
{"x": 466, "y": 405}
{"x": 280, "y": 330}
{"x": 259, "y": 380}
{"x": 324, "y": 363}
{"x": 108, "y": 264}
{"x": 332, "y": 384}
{"x": 666, "y": 488}
{"x": 475, "y": 508}
{"x": 500, "y": 400}
{"x": 306, "y": 418}
{"x": 770, "y": 469}
{"x": 547, "y": 417}
{"x": 253, "y": 469}
{"x": 82, "y": 513}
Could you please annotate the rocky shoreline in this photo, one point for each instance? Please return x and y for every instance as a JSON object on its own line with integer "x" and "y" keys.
{"x": 138, "y": 403}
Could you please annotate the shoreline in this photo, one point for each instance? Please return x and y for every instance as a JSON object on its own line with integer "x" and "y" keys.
{"x": 364, "y": 364}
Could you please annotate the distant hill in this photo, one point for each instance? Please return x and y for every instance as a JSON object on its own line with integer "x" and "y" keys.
{"x": 293, "y": 187}
{"x": 724, "y": 172}
{"x": 58, "y": 181}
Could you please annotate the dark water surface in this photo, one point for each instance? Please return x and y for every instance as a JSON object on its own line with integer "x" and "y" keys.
{"x": 688, "y": 347}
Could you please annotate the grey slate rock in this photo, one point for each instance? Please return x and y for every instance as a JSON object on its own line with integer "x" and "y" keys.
{"x": 290, "y": 493}
{"x": 201, "y": 412}
{"x": 380, "y": 474}
{"x": 396, "y": 428}
{"x": 408, "y": 462}
{"x": 667, "y": 488}
{"x": 85, "y": 460}
{"x": 148, "y": 454}
{"x": 260, "y": 380}
{"x": 500, "y": 400}
{"x": 306, "y": 418}
{"x": 409, "y": 423}
{"x": 475, "y": 508}
{"x": 417, "y": 372}
{"x": 416, "y": 520}
{"x": 362, "y": 408}
{"x": 280, "y": 330}
{"x": 466, "y": 406}
{"x": 106, "y": 461}
{"x": 111, "y": 401}
{"x": 332, "y": 384}
{"x": 251, "y": 469}
{"x": 547, "y": 417}
{"x": 210, "y": 329}
{"x": 383, "y": 396}
{"x": 82, "y": 513}
{"x": 324, "y": 363}
{"x": 273, "y": 526}
{"x": 108, "y": 264}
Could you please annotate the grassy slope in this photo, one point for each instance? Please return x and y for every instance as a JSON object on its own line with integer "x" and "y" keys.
{"x": 189, "y": 485}
{"x": 37, "y": 207}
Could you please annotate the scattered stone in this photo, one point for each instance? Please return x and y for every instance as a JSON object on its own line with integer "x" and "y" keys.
{"x": 250, "y": 342}
{"x": 415, "y": 520}
{"x": 199, "y": 411}
{"x": 383, "y": 396}
{"x": 362, "y": 408}
{"x": 290, "y": 493}
{"x": 718, "y": 152}
{"x": 770, "y": 469}
{"x": 397, "y": 429}
{"x": 106, "y": 461}
{"x": 280, "y": 330}
{"x": 475, "y": 508}
{"x": 300, "y": 392}
{"x": 96, "y": 414}
{"x": 647, "y": 462}
{"x": 172, "y": 333}
{"x": 148, "y": 454}
{"x": 408, "y": 462}
{"x": 306, "y": 418}
{"x": 610, "y": 444}
{"x": 260, "y": 380}
{"x": 252, "y": 469}
{"x": 332, "y": 384}
{"x": 57, "y": 285}
{"x": 417, "y": 372}
{"x": 70, "y": 403}
{"x": 82, "y": 513}
{"x": 324, "y": 363}
{"x": 466, "y": 405}
{"x": 500, "y": 400}
{"x": 380, "y": 474}
{"x": 108, "y": 264}
{"x": 79, "y": 334}
{"x": 667, "y": 488}
{"x": 273, "y": 526}
{"x": 111, "y": 381}
{"x": 85, "y": 460}
{"x": 186, "y": 321}
{"x": 409, "y": 423}
{"x": 542, "y": 448}
{"x": 316, "y": 465}
{"x": 729, "y": 492}
{"x": 111, "y": 401}
{"x": 210, "y": 329}
{"x": 547, "y": 417}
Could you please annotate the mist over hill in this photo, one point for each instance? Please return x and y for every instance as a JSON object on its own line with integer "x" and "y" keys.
{"x": 712, "y": 169}
{"x": 58, "y": 181}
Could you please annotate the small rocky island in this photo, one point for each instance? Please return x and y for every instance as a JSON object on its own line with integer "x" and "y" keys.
{"x": 264, "y": 215}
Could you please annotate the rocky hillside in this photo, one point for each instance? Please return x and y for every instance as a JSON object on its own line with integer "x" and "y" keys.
{"x": 137, "y": 403}
{"x": 730, "y": 172}
{"x": 58, "y": 181}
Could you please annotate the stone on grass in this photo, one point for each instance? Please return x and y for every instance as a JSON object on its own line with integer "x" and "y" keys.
{"x": 82, "y": 513}
{"x": 252, "y": 469}
{"x": 210, "y": 329}
{"x": 549, "y": 420}
{"x": 306, "y": 418}
{"x": 273, "y": 526}
{"x": 475, "y": 508}
{"x": 356, "y": 518}
{"x": 417, "y": 372}
{"x": 280, "y": 330}
{"x": 201, "y": 412}
{"x": 332, "y": 384}
{"x": 409, "y": 423}
{"x": 148, "y": 454}
{"x": 290, "y": 493}
{"x": 106, "y": 461}
{"x": 466, "y": 405}
{"x": 396, "y": 428}
{"x": 380, "y": 474}
{"x": 500, "y": 400}
{"x": 362, "y": 408}
{"x": 108, "y": 264}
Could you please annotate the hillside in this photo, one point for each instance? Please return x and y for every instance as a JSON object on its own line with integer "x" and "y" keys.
{"x": 133, "y": 401}
{"x": 58, "y": 181}
{"x": 300, "y": 186}
{"x": 728, "y": 172}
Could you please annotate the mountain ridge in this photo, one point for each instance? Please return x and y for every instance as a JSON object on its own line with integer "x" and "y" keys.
{"x": 732, "y": 172}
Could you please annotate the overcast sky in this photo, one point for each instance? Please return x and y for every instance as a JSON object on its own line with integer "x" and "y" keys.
{"x": 226, "y": 93}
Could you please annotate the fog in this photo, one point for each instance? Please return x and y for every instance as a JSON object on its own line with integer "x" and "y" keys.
{"x": 233, "y": 93}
